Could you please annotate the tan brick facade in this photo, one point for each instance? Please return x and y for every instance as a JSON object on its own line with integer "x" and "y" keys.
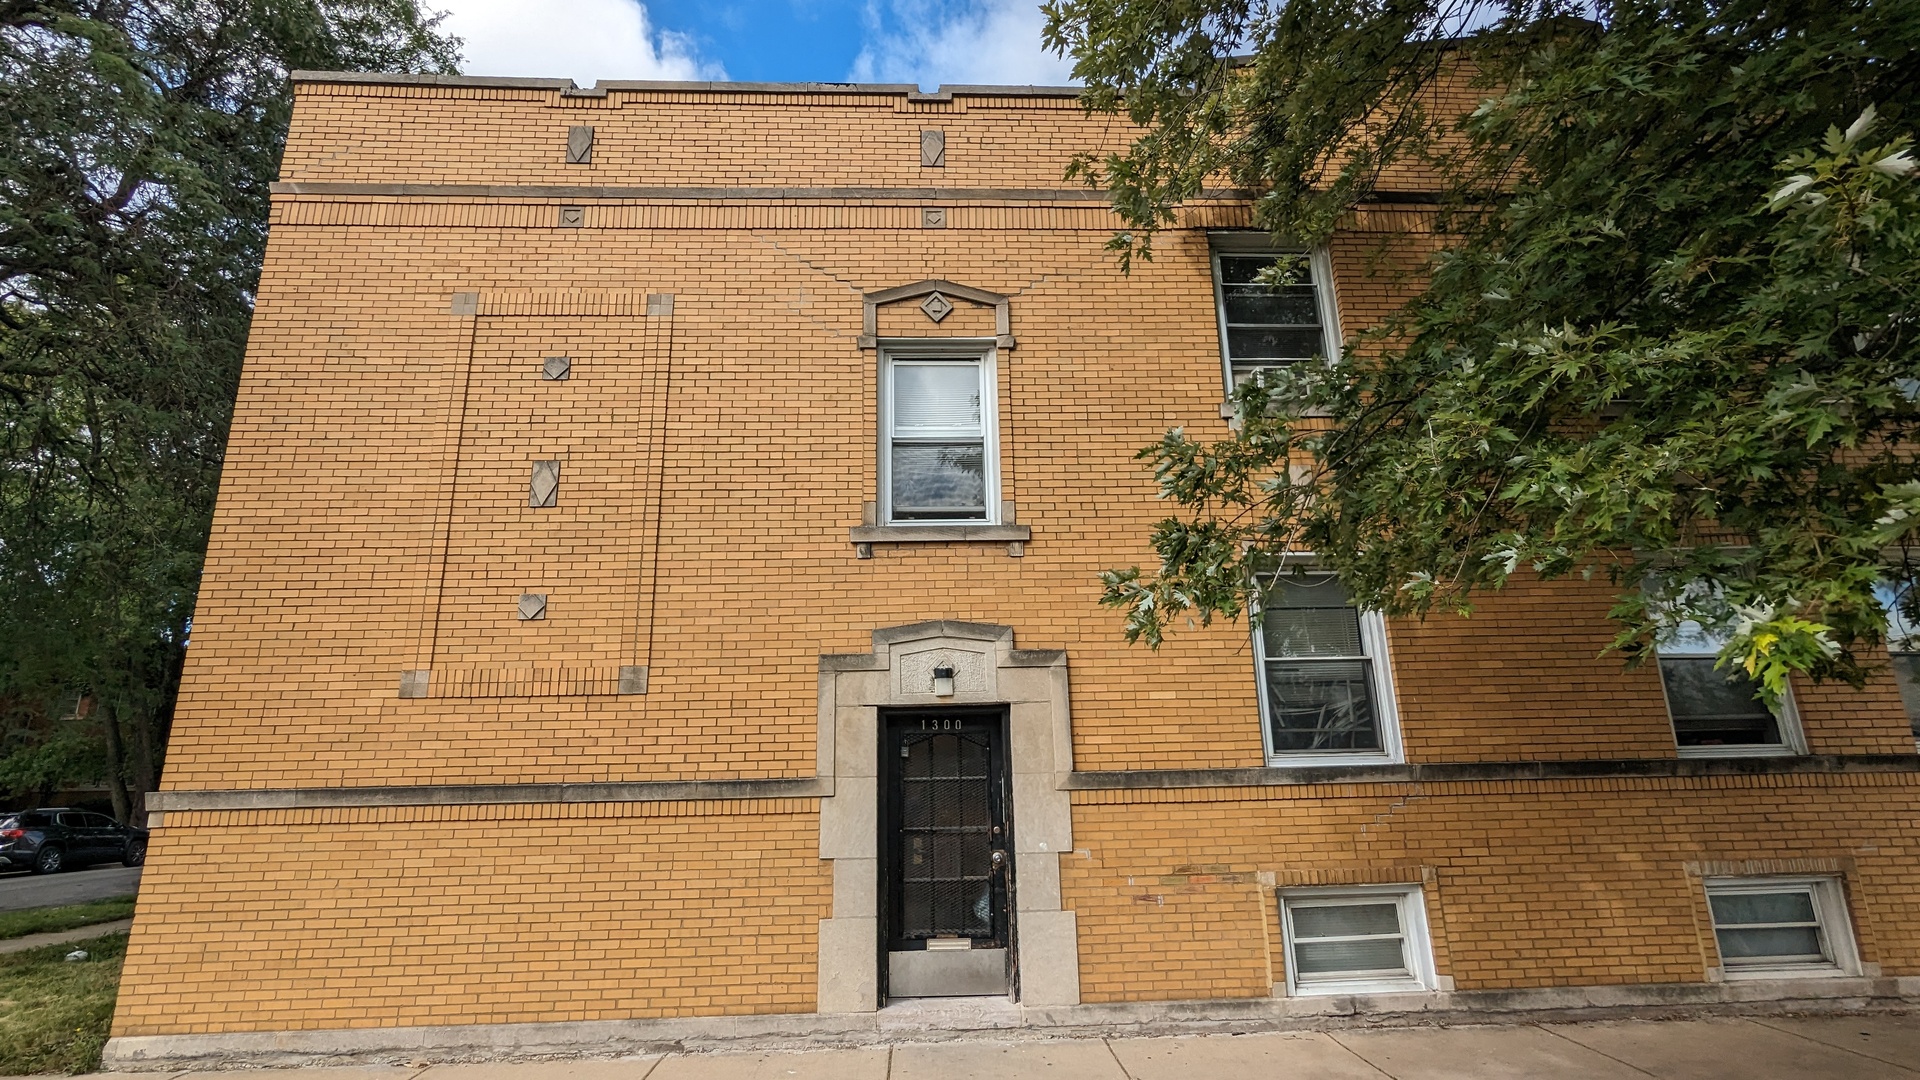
{"x": 716, "y": 437}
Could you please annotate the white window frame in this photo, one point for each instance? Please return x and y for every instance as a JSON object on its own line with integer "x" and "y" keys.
{"x": 1417, "y": 941}
{"x": 937, "y": 349}
{"x": 1320, "y": 263}
{"x": 1829, "y": 911}
{"x": 1793, "y": 741}
{"x": 1373, "y": 638}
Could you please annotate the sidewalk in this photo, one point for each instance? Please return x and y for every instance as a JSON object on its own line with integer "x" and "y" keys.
{"x": 1868, "y": 1047}
{"x": 61, "y": 937}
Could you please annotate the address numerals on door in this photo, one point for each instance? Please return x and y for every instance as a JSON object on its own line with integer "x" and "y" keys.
{"x": 948, "y": 724}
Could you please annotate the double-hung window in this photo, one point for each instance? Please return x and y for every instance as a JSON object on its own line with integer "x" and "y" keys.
{"x": 1324, "y": 686}
{"x": 1903, "y": 648}
{"x": 1265, "y": 326}
{"x": 1778, "y": 927}
{"x": 1356, "y": 941}
{"x": 938, "y": 454}
{"x": 1717, "y": 712}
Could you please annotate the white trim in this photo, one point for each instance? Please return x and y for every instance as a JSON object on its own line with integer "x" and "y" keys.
{"x": 986, "y": 355}
{"x": 1829, "y": 911}
{"x": 1373, "y": 638}
{"x": 1416, "y": 940}
{"x": 1320, "y": 267}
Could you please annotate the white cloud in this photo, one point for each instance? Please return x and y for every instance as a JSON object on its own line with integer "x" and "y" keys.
{"x": 584, "y": 40}
{"x": 963, "y": 41}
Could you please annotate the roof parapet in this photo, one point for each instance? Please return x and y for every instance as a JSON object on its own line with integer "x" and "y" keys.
{"x": 601, "y": 87}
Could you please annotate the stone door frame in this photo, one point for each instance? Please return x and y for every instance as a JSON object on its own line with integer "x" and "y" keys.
{"x": 988, "y": 670}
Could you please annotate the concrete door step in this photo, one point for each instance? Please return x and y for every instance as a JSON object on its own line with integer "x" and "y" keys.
{"x": 902, "y": 1017}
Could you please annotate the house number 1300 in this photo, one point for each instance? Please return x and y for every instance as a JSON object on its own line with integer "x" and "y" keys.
{"x": 941, "y": 725}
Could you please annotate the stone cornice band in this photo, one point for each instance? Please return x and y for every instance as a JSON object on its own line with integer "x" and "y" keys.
{"x": 1164, "y": 779}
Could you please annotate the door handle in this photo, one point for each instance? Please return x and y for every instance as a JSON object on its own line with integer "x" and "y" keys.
{"x": 999, "y": 861}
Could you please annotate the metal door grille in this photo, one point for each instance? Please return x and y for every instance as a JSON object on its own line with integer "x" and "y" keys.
{"x": 946, "y": 837}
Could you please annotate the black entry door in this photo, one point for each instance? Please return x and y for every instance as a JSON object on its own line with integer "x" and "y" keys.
{"x": 946, "y": 841}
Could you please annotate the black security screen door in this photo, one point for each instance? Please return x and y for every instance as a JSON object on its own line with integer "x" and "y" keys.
{"x": 947, "y": 836}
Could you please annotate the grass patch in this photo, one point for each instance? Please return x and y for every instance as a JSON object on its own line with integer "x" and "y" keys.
{"x": 54, "y": 1015}
{"x": 15, "y": 924}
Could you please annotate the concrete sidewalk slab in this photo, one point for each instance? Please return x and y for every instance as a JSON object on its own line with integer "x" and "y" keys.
{"x": 1726, "y": 1050}
{"x": 633, "y": 1068}
{"x": 341, "y": 1072}
{"x": 1185, "y": 1057}
{"x": 1078, "y": 1060}
{"x": 61, "y": 937}
{"x": 779, "y": 1065}
{"x": 1894, "y": 1040}
{"x": 1520, "y": 1053}
{"x": 335, "y": 1073}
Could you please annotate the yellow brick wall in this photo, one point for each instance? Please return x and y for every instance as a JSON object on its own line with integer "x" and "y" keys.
{"x": 299, "y": 919}
{"x": 1530, "y": 884}
{"x": 373, "y": 519}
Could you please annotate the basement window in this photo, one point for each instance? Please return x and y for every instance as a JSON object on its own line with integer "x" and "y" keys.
{"x": 1781, "y": 927}
{"x": 1353, "y": 941}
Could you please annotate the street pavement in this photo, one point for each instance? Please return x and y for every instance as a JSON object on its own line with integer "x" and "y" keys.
{"x": 21, "y": 889}
{"x": 1873, "y": 1047}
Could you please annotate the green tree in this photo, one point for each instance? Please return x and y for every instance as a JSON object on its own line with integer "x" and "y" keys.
{"x": 141, "y": 138}
{"x": 1671, "y": 338}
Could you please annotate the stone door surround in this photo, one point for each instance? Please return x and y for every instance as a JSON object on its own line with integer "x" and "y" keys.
{"x": 987, "y": 670}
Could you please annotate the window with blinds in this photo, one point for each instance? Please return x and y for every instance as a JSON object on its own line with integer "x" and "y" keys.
{"x": 1262, "y": 325}
{"x": 1323, "y": 687}
{"x": 1765, "y": 927}
{"x": 937, "y": 465}
{"x": 1716, "y": 712}
{"x": 1341, "y": 943}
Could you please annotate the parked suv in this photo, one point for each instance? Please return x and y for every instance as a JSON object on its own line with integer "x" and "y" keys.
{"x": 51, "y": 840}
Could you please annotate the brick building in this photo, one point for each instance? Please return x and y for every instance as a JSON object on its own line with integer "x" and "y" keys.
{"x": 654, "y": 577}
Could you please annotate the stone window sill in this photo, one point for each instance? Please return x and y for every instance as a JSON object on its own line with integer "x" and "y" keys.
{"x": 865, "y": 536}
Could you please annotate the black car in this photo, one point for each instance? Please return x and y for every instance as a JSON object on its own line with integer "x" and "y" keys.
{"x": 51, "y": 840}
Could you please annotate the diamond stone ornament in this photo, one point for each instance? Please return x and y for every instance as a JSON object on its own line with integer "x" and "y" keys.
{"x": 533, "y": 606}
{"x": 937, "y": 307}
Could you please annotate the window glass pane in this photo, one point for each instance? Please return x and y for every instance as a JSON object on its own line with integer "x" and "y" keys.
{"x": 1902, "y": 634}
{"x": 1290, "y": 305}
{"x": 1267, "y": 323}
{"x": 1906, "y": 669}
{"x": 939, "y": 481}
{"x": 1309, "y": 616}
{"x": 1242, "y": 269}
{"x": 1273, "y": 343}
{"x": 1780, "y": 907}
{"x": 937, "y": 398}
{"x": 1711, "y": 709}
{"x": 1305, "y": 631}
{"x": 1800, "y": 943}
{"x": 1347, "y": 920}
{"x": 1322, "y": 705}
{"x": 1378, "y": 955}
{"x": 1690, "y": 639}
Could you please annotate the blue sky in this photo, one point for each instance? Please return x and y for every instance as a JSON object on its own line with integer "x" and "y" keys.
{"x": 912, "y": 41}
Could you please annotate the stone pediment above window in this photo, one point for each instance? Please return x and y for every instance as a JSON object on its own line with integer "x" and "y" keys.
{"x": 934, "y": 309}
